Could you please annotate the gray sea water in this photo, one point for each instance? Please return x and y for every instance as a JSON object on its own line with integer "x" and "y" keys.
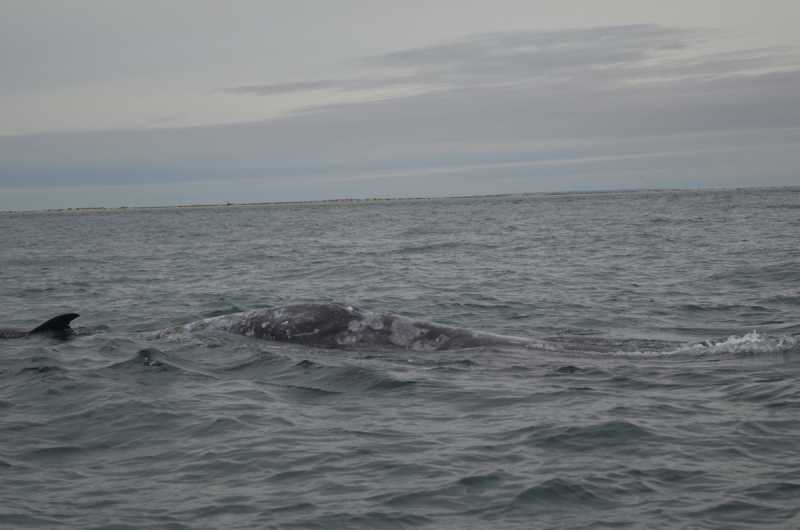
{"x": 107, "y": 430}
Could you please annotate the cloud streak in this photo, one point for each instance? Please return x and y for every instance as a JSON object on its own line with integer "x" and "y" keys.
{"x": 604, "y": 57}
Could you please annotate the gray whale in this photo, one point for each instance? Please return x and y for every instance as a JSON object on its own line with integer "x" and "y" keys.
{"x": 339, "y": 325}
{"x": 57, "y": 327}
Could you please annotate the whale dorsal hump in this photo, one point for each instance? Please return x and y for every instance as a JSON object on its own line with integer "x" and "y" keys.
{"x": 59, "y": 323}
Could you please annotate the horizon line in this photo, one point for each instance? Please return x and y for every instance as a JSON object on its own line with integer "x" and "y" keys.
{"x": 391, "y": 199}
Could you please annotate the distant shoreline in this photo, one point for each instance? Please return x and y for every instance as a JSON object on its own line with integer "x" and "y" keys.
{"x": 330, "y": 201}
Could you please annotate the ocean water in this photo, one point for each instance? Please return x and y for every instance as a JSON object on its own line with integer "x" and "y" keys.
{"x": 108, "y": 430}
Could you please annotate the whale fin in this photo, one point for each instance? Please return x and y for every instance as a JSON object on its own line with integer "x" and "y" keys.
{"x": 59, "y": 323}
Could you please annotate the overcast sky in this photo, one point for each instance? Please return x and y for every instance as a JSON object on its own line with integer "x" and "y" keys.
{"x": 140, "y": 103}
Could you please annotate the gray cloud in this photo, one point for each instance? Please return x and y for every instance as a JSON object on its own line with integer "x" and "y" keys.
{"x": 504, "y": 58}
{"x": 531, "y": 53}
{"x": 600, "y": 56}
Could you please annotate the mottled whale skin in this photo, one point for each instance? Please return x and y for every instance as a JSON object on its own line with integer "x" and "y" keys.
{"x": 57, "y": 327}
{"x": 339, "y": 325}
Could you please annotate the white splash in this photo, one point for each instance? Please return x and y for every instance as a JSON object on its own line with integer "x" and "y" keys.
{"x": 753, "y": 343}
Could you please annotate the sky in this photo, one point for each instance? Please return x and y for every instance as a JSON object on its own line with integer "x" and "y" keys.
{"x": 154, "y": 103}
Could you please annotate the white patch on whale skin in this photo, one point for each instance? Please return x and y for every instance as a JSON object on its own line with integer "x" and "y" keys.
{"x": 429, "y": 345}
{"x": 538, "y": 345}
{"x": 231, "y": 323}
{"x": 369, "y": 320}
{"x": 374, "y": 321}
{"x": 404, "y": 333}
{"x": 343, "y": 339}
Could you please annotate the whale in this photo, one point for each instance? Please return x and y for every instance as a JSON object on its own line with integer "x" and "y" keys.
{"x": 337, "y": 325}
{"x": 341, "y": 325}
{"x": 56, "y": 327}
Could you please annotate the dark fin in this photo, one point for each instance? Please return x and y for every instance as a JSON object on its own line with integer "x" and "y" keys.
{"x": 59, "y": 323}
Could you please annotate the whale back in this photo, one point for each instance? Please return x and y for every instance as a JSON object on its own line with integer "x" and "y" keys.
{"x": 336, "y": 325}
